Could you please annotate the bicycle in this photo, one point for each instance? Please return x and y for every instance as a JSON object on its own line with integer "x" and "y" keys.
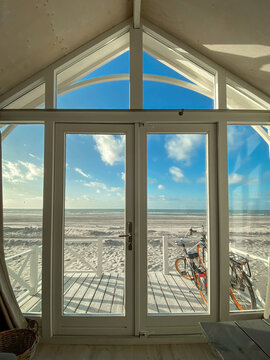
{"x": 193, "y": 266}
{"x": 241, "y": 290}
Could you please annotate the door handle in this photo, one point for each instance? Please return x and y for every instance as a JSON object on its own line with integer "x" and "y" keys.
{"x": 128, "y": 235}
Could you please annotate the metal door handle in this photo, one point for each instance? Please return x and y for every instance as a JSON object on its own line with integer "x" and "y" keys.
{"x": 128, "y": 235}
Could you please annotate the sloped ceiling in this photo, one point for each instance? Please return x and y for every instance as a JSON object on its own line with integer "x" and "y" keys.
{"x": 233, "y": 33}
{"x": 35, "y": 33}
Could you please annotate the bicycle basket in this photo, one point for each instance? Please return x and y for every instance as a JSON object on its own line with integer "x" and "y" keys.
{"x": 240, "y": 262}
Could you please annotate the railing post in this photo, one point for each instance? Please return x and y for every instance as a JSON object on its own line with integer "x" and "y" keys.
{"x": 99, "y": 257}
{"x": 267, "y": 300}
{"x": 34, "y": 270}
{"x": 165, "y": 256}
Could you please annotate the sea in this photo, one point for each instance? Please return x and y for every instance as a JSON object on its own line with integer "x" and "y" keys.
{"x": 183, "y": 212}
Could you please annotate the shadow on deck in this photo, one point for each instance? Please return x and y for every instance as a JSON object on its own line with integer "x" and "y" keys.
{"x": 85, "y": 293}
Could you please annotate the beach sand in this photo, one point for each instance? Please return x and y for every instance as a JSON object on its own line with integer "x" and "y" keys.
{"x": 22, "y": 232}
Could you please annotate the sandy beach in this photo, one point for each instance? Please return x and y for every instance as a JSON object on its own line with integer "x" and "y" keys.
{"x": 23, "y": 231}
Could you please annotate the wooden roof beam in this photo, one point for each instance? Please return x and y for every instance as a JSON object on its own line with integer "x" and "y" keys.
{"x": 136, "y": 14}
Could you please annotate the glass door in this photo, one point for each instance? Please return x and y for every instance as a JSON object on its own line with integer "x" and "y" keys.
{"x": 179, "y": 253}
{"x": 93, "y": 274}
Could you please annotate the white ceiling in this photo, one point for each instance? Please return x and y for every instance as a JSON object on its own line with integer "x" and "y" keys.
{"x": 233, "y": 33}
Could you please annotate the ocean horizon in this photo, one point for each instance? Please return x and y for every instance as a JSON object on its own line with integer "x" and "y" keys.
{"x": 183, "y": 212}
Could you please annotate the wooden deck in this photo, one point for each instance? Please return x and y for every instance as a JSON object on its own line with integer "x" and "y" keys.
{"x": 85, "y": 293}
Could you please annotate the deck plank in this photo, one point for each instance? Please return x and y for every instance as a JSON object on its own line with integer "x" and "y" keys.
{"x": 87, "y": 293}
{"x": 85, "y": 302}
{"x": 96, "y": 300}
{"x": 192, "y": 294}
{"x": 107, "y": 302}
{"x": 161, "y": 302}
{"x": 118, "y": 298}
{"x": 167, "y": 293}
{"x": 183, "y": 304}
{"x": 70, "y": 299}
{"x": 151, "y": 301}
{"x": 32, "y": 303}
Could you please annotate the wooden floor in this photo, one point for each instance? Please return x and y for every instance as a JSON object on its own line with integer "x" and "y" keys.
{"x": 123, "y": 352}
{"x": 85, "y": 293}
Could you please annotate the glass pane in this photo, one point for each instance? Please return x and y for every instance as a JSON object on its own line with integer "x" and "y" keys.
{"x": 237, "y": 99}
{"x": 172, "y": 81}
{"x": 94, "y": 255}
{"x": 177, "y": 224}
{"x": 22, "y": 167}
{"x": 249, "y": 199}
{"x": 98, "y": 81}
{"x": 34, "y": 99}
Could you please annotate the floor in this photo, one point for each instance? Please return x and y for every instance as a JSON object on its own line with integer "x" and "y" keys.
{"x": 85, "y": 293}
{"x": 123, "y": 352}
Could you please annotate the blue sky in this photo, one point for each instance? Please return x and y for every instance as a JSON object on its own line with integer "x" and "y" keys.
{"x": 95, "y": 164}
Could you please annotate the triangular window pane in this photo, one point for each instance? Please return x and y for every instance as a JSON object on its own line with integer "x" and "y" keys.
{"x": 119, "y": 65}
{"x": 155, "y": 67}
{"x": 99, "y": 80}
{"x": 172, "y": 80}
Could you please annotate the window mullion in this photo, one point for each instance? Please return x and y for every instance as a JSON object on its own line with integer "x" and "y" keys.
{"x": 136, "y": 69}
{"x": 220, "y": 90}
{"x": 50, "y": 89}
{"x": 223, "y": 209}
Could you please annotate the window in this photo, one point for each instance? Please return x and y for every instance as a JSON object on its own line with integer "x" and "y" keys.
{"x": 98, "y": 81}
{"x": 172, "y": 81}
{"x": 249, "y": 211}
{"x": 22, "y": 171}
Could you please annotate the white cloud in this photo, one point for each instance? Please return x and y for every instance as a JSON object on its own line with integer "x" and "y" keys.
{"x": 123, "y": 176}
{"x": 201, "y": 180}
{"x": 177, "y": 174}
{"x": 34, "y": 156}
{"x": 32, "y": 171}
{"x": 151, "y": 181}
{"x": 20, "y": 171}
{"x": 101, "y": 186}
{"x": 82, "y": 173}
{"x": 161, "y": 187}
{"x": 235, "y": 137}
{"x": 252, "y": 181}
{"x": 12, "y": 172}
{"x": 96, "y": 184}
{"x": 111, "y": 149}
{"x": 235, "y": 178}
{"x": 114, "y": 189}
{"x": 181, "y": 146}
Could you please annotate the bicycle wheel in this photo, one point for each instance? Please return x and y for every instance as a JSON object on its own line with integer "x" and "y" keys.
{"x": 242, "y": 293}
{"x": 201, "y": 283}
{"x": 181, "y": 267}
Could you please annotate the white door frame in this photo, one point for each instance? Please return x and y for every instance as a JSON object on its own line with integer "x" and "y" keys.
{"x": 90, "y": 324}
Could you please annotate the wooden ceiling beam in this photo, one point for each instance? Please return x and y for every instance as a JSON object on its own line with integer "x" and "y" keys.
{"x": 137, "y": 14}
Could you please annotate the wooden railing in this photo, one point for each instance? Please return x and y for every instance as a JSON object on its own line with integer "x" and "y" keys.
{"x": 98, "y": 270}
{"x": 32, "y": 258}
{"x": 31, "y": 263}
